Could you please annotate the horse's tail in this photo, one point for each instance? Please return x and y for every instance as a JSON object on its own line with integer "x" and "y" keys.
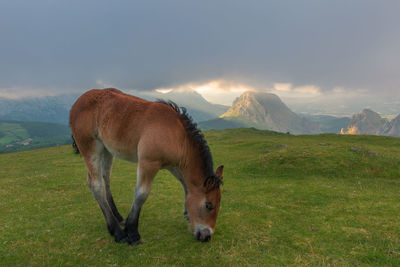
{"x": 74, "y": 146}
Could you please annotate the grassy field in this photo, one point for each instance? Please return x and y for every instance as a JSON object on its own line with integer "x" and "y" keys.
{"x": 287, "y": 200}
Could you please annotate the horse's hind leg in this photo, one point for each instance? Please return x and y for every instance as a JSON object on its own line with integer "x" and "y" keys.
{"x": 107, "y": 163}
{"x": 145, "y": 174}
{"x": 97, "y": 184}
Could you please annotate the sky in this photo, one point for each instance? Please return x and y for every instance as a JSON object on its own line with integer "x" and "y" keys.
{"x": 316, "y": 52}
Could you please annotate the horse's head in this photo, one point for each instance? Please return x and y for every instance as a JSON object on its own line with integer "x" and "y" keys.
{"x": 203, "y": 207}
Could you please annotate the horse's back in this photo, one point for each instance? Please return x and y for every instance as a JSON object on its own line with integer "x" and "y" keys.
{"x": 123, "y": 123}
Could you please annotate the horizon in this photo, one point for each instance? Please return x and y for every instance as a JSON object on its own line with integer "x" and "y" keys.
{"x": 296, "y": 107}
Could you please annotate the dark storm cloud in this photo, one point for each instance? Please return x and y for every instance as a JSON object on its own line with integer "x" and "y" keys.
{"x": 151, "y": 44}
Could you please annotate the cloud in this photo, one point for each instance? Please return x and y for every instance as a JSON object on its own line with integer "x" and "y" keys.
{"x": 221, "y": 91}
{"x": 285, "y": 87}
{"x": 28, "y": 92}
{"x": 305, "y": 48}
{"x": 288, "y": 90}
{"x": 309, "y": 90}
{"x": 340, "y": 101}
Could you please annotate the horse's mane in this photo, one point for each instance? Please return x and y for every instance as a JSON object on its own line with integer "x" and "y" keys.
{"x": 197, "y": 137}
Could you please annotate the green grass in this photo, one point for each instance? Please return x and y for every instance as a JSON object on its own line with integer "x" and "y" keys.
{"x": 312, "y": 201}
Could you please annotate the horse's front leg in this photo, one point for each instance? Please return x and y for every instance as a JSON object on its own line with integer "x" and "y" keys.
{"x": 145, "y": 174}
{"x": 175, "y": 171}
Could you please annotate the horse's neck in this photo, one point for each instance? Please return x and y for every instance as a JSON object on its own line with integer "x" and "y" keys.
{"x": 189, "y": 169}
{"x": 192, "y": 174}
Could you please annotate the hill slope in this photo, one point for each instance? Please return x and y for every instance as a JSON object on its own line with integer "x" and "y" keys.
{"x": 19, "y": 135}
{"x": 267, "y": 111}
{"x": 287, "y": 200}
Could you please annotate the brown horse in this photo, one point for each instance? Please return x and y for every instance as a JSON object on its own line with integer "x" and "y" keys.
{"x": 158, "y": 135}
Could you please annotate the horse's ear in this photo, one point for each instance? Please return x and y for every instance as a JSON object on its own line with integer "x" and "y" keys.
{"x": 220, "y": 171}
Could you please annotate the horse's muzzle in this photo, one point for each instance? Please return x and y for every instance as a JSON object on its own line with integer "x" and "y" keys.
{"x": 203, "y": 235}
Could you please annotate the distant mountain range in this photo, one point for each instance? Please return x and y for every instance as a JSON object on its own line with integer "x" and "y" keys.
{"x": 55, "y": 109}
{"x": 370, "y": 122}
{"x": 251, "y": 109}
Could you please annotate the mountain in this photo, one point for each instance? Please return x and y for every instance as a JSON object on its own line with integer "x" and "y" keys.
{"x": 199, "y": 108}
{"x": 367, "y": 122}
{"x": 53, "y": 109}
{"x": 329, "y": 124}
{"x": 370, "y": 122}
{"x": 392, "y": 128}
{"x": 267, "y": 112}
{"x": 23, "y": 135}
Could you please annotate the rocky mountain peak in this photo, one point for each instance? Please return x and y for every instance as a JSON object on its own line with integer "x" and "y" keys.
{"x": 392, "y": 128}
{"x": 366, "y": 122}
{"x": 267, "y": 111}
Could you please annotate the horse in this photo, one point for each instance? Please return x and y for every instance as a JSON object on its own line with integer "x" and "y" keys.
{"x": 107, "y": 123}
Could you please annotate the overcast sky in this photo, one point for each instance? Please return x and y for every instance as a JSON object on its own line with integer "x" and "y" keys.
{"x": 296, "y": 47}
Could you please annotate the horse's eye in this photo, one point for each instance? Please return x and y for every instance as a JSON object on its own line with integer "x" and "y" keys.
{"x": 209, "y": 206}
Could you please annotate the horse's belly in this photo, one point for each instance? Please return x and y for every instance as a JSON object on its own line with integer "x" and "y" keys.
{"x": 127, "y": 153}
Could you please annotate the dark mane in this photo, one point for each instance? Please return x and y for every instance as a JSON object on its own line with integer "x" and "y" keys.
{"x": 198, "y": 138}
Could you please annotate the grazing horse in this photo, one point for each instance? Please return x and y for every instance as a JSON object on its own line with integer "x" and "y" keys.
{"x": 158, "y": 135}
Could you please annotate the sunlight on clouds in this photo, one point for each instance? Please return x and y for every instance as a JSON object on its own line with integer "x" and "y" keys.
{"x": 287, "y": 90}
{"x": 164, "y": 91}
{"x": 309, "y": 90}
{"x": 225, "y": 92}
{"x": 307, "y": 98}
{"x": 217, "y": 91}
{"x": 286, "y": 87}
{"x": 222, "y": 92}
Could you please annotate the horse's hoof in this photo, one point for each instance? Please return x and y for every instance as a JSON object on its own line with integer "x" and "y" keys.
{"x": 133, "y": 239}
{"x": 135, "y": 243}
{"x": 121, "y": 237}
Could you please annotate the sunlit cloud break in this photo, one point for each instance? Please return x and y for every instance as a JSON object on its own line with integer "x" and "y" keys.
{"x": 216, "y": 91}
{"x": 287, "y": 89}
